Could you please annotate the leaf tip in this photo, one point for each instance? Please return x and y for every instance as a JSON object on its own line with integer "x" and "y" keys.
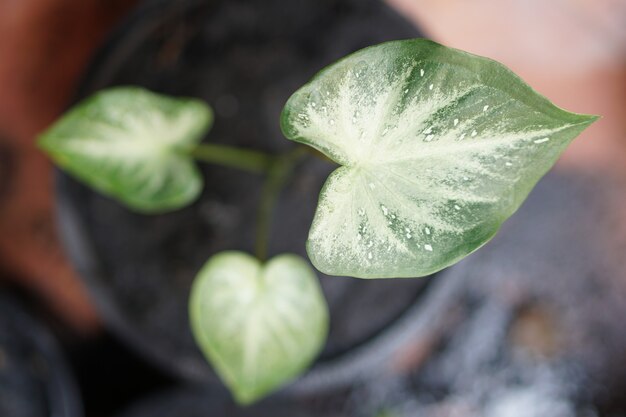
{"x": 586, "y": 119}
{"x": 592, "y": 118}
{"x": 42, "y": 143}
{"x": 246, "y": 398}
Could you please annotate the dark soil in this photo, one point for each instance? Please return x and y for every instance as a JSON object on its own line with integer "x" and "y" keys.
{"x": 245, "y": 58}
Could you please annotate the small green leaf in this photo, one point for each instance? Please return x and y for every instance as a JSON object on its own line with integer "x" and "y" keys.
{"x": 132, "y": 144}
{"x": 258, "y": 325}
{"x": 438, "y": 148}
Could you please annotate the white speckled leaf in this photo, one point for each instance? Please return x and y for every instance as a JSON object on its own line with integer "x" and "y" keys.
{"x": 258, "y": 325}
{"x": 438, "y": 147}
{"x": 130, "y": 144}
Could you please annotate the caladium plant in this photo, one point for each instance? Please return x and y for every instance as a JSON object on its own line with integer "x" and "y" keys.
{"x": 435, "y": 148}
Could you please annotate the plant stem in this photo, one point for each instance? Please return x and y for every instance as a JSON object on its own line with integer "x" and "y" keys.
{"x": 245, "y": 159}
{"x": 278, "y": 174}
{"x": 277, "y": 168}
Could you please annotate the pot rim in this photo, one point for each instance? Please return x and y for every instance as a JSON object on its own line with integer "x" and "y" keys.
{"x": 61, "y": 391}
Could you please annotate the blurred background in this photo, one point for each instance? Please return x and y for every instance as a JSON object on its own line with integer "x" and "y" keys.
{"x": 531, "y": 325}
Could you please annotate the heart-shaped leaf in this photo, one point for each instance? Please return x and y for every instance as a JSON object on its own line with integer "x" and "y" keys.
{"x": 132, "y": 144}
{"x": 258, "y": 325}
{"x": 438, "y": 148}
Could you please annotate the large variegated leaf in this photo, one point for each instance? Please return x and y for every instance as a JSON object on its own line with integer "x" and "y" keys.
{"x": 258, "y": 325}
{"x": 438, "y": 147}
{"x": 131, "y": 144}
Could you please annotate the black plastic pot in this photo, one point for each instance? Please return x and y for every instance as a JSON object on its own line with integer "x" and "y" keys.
{"x": 34, "y": 379}
{"x": 245, "y": 58}
{"x": 200, "y": 402}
